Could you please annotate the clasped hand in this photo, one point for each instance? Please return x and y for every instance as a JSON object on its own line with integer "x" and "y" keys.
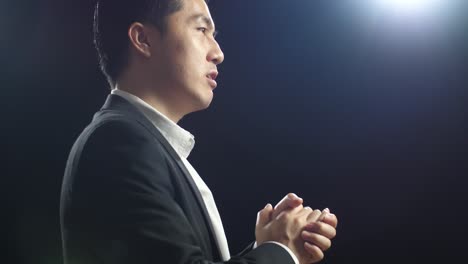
{"x": 306, "y": 232}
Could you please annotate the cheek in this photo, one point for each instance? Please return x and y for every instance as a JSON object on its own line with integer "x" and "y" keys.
{"x": 182, "y": 59}
{"x": 174, "y": 64}
{"x": 185, "y": 59}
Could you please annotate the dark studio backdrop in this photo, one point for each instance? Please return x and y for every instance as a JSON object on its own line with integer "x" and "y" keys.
{"x": 353, "y": 106}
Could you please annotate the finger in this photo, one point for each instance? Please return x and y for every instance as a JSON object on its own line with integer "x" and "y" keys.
{"x": 291, "y": 200}
{"x": 331, "y": 220}
{"x": 324, "y": 213}
{"x": 264, "y": 215}
{"x": 321, "y": 228}
{"x": 304, "y": 212}
{"x": 314, "y": 251}
{"x": 289, "y": 213}
{"x": 320, "y": 241}
{"x": 314, "y": 216}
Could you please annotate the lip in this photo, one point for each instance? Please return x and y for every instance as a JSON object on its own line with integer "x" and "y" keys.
{"x": 212, "y": 83}
{"x": 211, "y": 76}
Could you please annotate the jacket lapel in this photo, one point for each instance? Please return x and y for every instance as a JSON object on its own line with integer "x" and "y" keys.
{"x": 117, "y": 103}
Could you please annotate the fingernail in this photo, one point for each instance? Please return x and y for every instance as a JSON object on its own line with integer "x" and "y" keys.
{"x": 326, "y": 210}
{"x": 267, "y": 206}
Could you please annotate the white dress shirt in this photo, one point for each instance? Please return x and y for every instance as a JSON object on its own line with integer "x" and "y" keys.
{"x": 183, "y": 142}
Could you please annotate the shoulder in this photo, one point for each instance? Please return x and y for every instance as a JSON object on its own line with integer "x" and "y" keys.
{"x": 116, "y": 136}
{"x": 116, "y": 147}
{"x": 115, "y": 124}
{"x": 113, "y": 127}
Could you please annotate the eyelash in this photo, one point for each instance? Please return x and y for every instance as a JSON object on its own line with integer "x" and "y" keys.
{"x": 203, "y": 29}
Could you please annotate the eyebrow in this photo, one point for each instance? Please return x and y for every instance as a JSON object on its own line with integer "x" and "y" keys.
{"x": 204, "y": 18}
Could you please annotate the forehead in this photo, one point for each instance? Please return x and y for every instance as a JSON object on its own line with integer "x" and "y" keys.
{"x": 195, "y": 10}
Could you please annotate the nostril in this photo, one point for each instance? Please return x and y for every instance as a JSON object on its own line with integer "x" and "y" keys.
{"x": 216, "y": 60}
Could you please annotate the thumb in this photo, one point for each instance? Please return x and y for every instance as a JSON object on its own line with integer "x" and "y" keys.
{"x": 289, "y": 201}
{"x": 293, "y": 200}
{"x": 263, "y": 216}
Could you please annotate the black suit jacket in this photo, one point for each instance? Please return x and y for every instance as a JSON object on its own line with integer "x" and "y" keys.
{"x": 128, "y": 198}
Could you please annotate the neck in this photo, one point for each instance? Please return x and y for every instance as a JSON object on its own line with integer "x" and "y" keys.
{"x": 146, "y": 91}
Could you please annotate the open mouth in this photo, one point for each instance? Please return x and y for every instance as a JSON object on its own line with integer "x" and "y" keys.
{"x": 211, "y": 79}
{"x": 212, "y": 75}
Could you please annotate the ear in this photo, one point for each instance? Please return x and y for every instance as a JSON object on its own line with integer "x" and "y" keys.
{"x": 139, "y": 38}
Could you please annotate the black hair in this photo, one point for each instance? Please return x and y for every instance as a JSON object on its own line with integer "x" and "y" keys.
{"x": 112, "y": 18}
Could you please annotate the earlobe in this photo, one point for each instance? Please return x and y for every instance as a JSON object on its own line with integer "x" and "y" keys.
{"x": 139, "y": 39}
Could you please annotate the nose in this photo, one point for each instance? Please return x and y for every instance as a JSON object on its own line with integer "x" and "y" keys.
{"x": 216, "y": 55}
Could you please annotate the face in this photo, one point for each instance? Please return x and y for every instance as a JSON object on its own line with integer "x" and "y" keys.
{"x": 187, "y": 58}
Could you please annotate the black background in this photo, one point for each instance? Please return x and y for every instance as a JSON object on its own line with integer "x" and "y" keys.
{"x": 359, "y": 109}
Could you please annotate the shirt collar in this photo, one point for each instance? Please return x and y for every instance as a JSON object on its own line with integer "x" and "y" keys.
{"x": 180, "y": 139}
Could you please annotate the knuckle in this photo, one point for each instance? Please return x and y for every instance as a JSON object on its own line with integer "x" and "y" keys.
{"x": 332, "y": 233}
{"x": 312, "y": 237}
{"x": 325, "y": 229}
{"x": 327, "y": 244}
{"x": 282, "y": 217}
{"x": 306, "y": 235}
{"x": 316, "y": 253}
{"x": 320, "y": 255}
{"x": 318, "y": 226}
{"x": 296, "y": 221}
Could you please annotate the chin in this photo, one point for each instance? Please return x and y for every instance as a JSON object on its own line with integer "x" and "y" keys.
{"x": 204, "y": 102}
{"x": 205, "y": 105}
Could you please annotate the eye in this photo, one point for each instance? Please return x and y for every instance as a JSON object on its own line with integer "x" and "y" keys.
{"x": 202, "y": 29}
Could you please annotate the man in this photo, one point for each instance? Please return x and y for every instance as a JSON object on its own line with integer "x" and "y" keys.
{"x": 129, "y": 194}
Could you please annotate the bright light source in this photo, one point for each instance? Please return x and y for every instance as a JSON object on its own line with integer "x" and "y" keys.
{"x": 408, "y": 22}
{"x": 410, "y": 6}
{"x": 407, "y": 4}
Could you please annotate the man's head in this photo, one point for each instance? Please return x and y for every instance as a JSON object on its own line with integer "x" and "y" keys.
{"x": 167, "y": 44}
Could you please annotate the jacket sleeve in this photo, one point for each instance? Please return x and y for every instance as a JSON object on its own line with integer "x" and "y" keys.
{"x": 118, "y": 204}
